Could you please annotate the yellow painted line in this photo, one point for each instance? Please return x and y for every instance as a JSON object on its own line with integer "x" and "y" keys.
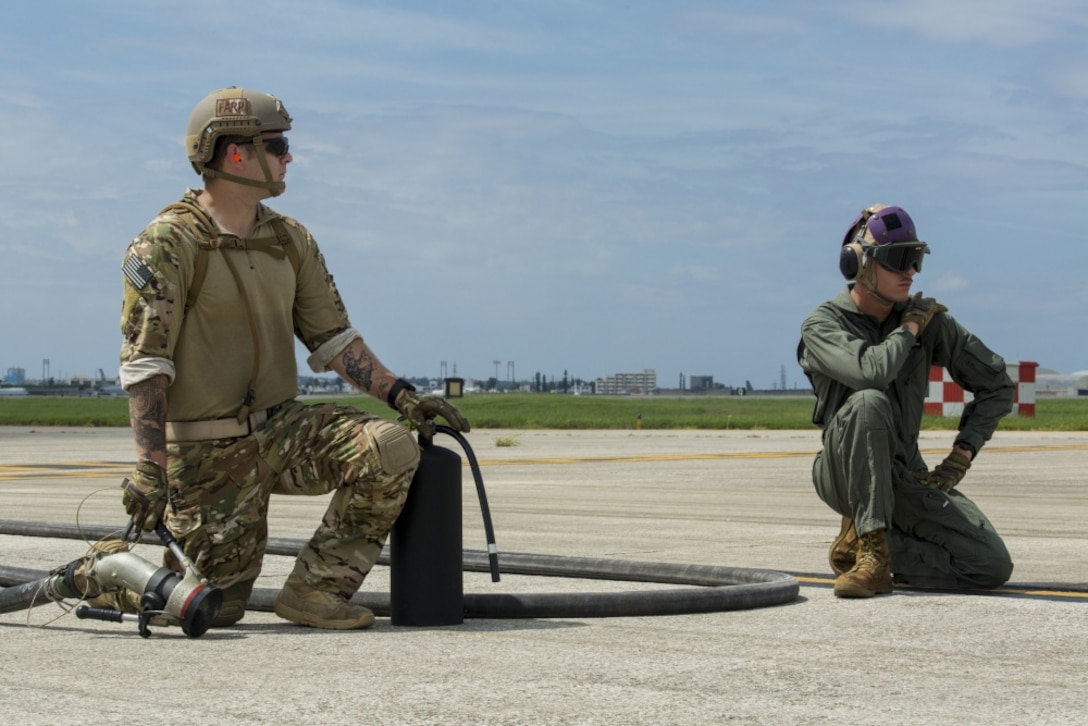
{"x": 74, "y": 469}
{"x": 1053, "y": 447}
{"x": 65, "y": 465}
{"x": 648, "y": 457}
{"x": 77, "y": 468}
{"x": 742, "y": 455}
{"x": 1006, "y": 590}
{"x": 814, "y": 580}
{"x": 1063, "y": 594}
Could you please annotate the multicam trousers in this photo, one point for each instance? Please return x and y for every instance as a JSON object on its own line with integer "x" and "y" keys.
{"x": 219, "y": 495}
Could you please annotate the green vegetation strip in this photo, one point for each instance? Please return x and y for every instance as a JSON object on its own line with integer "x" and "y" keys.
{"x": 552, "y": 411}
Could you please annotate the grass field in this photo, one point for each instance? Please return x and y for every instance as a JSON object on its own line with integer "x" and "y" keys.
{"x": 543, "y": 411}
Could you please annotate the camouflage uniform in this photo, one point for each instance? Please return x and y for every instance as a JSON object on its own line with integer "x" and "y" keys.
{"x": 870, "y": 381}
{"x": 219, "y": 494}
{"x": 229, "y": 353}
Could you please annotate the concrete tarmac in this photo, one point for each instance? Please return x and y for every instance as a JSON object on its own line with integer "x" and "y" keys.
{"x": 743, "y": 499}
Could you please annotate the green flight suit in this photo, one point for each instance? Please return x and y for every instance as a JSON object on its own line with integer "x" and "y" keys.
{"x": 870, "y": 381}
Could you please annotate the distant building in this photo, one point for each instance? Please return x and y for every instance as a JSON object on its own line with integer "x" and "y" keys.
{"x": 702, "y": 383}
{"x": 1051, "y": 383}
{"x": 620, "y": 384}
{"x": 15, "y": 376}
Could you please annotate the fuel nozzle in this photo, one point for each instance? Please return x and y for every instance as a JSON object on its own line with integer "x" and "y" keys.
{"x": 164, "y": 595}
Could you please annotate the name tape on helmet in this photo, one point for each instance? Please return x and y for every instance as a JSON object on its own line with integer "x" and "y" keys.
{"x": 230, "y": 107}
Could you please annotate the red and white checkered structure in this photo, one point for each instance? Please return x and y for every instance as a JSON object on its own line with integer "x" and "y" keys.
{"x": 946, "y": 398}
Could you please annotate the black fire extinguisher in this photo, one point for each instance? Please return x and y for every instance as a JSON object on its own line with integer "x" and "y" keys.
{"x": 426, "y": 582}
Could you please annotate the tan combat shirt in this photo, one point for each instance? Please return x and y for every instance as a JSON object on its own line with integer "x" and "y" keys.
{"x": 211, "y": 348}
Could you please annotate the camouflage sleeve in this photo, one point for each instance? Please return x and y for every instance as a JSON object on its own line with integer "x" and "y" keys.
{"x": 155, "y": 274}
{"x": 319, "y": 312}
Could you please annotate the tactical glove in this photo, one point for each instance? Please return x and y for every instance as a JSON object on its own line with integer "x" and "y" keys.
{"x": 145, "y": 494}
{"x": 950, "y": 472}
{"x": 922, "y": 477}
{"x": 920, "y": 310}
{"x": 420, "y": 411}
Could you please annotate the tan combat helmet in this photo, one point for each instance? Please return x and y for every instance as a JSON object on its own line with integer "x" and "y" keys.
{"x": 235, "y": 111}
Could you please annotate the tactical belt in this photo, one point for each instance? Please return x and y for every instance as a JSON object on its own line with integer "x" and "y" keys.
{"x": 217, "y": 428}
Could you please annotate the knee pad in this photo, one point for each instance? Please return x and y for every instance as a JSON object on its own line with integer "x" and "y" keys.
{"x": 397, "y": 450}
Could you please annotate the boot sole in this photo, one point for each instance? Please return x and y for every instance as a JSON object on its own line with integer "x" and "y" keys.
{"x": 857, "y": 591}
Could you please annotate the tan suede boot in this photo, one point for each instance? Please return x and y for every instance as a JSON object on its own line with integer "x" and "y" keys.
{"x": 844, "y": 550}
{"x": 872, "y": 573}
{"x": 233, "y": 607}
{"x": 300, "y": 603}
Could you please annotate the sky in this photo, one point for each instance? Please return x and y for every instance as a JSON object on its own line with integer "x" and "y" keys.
{"x": 566, "y": 186}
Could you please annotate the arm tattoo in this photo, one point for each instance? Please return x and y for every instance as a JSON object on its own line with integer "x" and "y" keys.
{"x": 359, "y": 369}
{"x": 147, "y": 414}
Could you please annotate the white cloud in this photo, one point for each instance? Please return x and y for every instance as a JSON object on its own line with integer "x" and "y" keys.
{"x": 561, "y": 183}
{"x": 723, "y": 21}
{"x": 998, "y": 23}
{"x": 948, "y": 283}
{"x": 695, "y": 273}
{"x": 1069, "y": 78}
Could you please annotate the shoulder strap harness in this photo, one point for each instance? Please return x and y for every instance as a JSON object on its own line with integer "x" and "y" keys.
{"x": 200, "y": 225}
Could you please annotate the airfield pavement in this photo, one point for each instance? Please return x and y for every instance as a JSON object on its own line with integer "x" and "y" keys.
{"x": 740, "y": 499}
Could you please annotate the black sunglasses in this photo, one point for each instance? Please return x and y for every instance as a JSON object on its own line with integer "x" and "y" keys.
{"x": 900, "y": 257}
{"x": 276, "y": 146}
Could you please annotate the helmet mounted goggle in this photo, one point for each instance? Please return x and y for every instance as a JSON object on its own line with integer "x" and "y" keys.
{"x": 898, "y": 257}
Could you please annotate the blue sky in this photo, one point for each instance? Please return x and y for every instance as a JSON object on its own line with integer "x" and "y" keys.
{"x": 571, "y": 185}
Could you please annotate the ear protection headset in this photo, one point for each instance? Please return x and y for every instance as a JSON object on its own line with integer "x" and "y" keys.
{"x": 852, "y": 254}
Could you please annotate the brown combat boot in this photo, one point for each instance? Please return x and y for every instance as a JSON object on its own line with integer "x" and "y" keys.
{"x": 300, "y": 603}
{"x": 872, "y": 573}
{"x": 844, "y": 550}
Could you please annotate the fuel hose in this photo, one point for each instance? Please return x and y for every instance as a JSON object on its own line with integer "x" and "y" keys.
{"x": 702, "y": 588}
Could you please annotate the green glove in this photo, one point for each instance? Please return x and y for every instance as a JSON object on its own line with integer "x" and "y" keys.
{"x": 420, "y": 411}
{"x": 920, "y": 310}
{"x": 145, "y": 494}
{"x": 922, "y": 477}
{"x": 950, "y": 472}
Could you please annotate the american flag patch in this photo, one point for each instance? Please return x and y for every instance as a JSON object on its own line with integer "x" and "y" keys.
{"x": 136, "y": 272}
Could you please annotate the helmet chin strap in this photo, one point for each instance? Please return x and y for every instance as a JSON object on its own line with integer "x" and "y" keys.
{"x": 276, "y": 187}
{"x": 867, "y": 277}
